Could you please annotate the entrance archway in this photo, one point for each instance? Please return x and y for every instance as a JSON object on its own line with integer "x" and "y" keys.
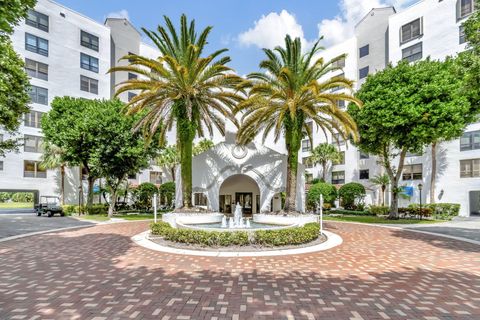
{"x": 239, "y": 188}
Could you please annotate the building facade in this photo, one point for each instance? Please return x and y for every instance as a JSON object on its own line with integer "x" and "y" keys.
{"x": 67, "y": 53}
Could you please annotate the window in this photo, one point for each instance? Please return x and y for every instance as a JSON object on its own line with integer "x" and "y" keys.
{"x": 1, "y": 165}
{"x": 413, "y": 154}
{"x": 156, "y": 177}
{"x": 307, "y": 162}
{"x": 38, "y": 95}
{"x": 88, "y": 84}
{"x": 132, "y": 176}
{"x": 89, "y": 40}
{"x": 36, "y": 69}
{"x": 32, "y": 144}
{"x": 310, "y": 127}
{"x": 412, "y": 172}
{"x": 131, "y": 95}
{"x": 364, "y": 155}
{"x": 364, "y": 174}
{"x": 364, "y": 51}
{"x": 339, "y": 63}
{"x": 33, "y": 119}
{"x": 306, "y": 145}
{"x": 200, "y": 199}
{"x": 470, "y": 141}
{"x": 132, "y": 76}
{"x": 461, "y": 35}
{"x": 308, "y": 177}
{"x": 32, "y": 169}
{"x": 341, "y": 160}
{"x": 341, "y": 104}
{"x": 36, "y": 44}
{"x": 411, "y": 30}
{"x": 130, "y": 54}
{"x": 363, "y": 73}
{"x": 464, "y": 8}
{"x": 88, "y": 62}
{"x": 470, "y": 168}
{"x": 412, "y": 53}
{"x": 338, "y": 139}
{"x": 37, "y": 20}
{"x": 338, "y": 177}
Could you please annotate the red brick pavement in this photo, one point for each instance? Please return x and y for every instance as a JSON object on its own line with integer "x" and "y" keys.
{"x": 377, "y": 273}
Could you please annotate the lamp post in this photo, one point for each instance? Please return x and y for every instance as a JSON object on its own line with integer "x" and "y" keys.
{"x": 420, "y": 187}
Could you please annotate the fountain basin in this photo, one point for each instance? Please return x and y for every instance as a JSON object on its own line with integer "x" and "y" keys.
{"x": 254, "y": 226}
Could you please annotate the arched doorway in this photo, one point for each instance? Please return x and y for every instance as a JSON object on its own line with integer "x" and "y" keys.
{"x": 242, "y": 189}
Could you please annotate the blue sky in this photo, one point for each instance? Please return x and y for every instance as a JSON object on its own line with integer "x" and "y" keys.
{"x": 244, "y": 26}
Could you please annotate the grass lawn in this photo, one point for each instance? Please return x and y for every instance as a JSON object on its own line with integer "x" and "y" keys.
{"x": 104, "y": 217}
{"x": 16, "y": 205}
{"x": 374, "y": 219}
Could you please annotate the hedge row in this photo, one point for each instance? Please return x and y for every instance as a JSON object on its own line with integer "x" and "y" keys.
{"x": 352, "y": 212}
{"x": 95, "y": 209}
{"x": 281, "y": 237}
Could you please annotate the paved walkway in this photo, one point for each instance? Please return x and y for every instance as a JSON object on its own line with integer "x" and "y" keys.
{"x": 16, "y": 224}
{"x": 468, "y": 228}
{"x": 377, "y": 273}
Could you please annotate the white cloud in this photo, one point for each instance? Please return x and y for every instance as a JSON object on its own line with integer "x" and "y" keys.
{"x": 342, "y": 26}
{"x": 270, "y": 30}
{"x": 122, "y": 14}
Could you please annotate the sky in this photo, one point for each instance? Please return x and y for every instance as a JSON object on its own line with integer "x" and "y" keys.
{"x": 244, "y": 26}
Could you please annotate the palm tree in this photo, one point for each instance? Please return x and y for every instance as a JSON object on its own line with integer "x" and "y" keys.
{"x": 202, "y": 146}
{"x": 168, "y": 158}
{"x": 382, "y": 181}
{"x": 182, "y": 87}
{"x": 323, "y": 154}
{"x": 295, "y": 87}
{"x": 52, "y": 159}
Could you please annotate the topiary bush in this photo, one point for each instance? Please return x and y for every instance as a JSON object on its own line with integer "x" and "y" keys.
{"x": 328, "y": 191}
{"x": 143, "y": 194}
{"x": 350, "y": 192}
{"x": 290, "y": 236}
{"x": 167, "y": 192}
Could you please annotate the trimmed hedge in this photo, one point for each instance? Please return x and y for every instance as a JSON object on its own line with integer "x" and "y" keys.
{"x": 95, "y": 209}
{"x": 379, "y": 210}
{"x": 413, "y": 210}
{"x": 328, "y": 191}
{"x": 352, "y": 212}
{"x": 290, "y": 236}
{"x": 445, "y": 210}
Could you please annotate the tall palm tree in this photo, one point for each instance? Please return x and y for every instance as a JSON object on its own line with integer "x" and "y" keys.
{"x": 182, "y": 87}
{"x": 323, "y": 154}
{"x": 382, "y": 181}
{"x": 293, "y": 88}
{"x": 168, "y": 158}
{"x": 52, "y": 159}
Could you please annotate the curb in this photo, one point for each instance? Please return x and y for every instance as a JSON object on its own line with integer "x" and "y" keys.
{"x": 42, "y": 232}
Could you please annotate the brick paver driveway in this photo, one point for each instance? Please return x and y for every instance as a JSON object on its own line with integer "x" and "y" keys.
{"x": 377, "y": 273}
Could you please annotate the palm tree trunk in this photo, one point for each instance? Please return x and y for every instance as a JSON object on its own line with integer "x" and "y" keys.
{"x": 173, "y": 173}
{"x": 186, "y": 171}
{"x": 434, "y": 172}
{"x": 292, "y": 170}
{"x": 383, "y": 195}
{"x": 62, "y": 187}
{"x": 324, "y": 170}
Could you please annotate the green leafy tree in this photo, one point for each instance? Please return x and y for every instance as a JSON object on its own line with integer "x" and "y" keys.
{"x": 143, "y": 195}
{"x": 119, "y": 150}
{"x": 168, "y": 158}
{"x": 382, "y": 181}
{"x": 328, "y": 191}
{"x": 70, "y": 125}
{"x": 12, "y": 12}
{"x": 350, "y": 192}
{"x": 294, "y": 88}
{"x": 182, "y": 87}
{"x": 202, "y": 146}
{"x": 323, "y": 154}
{"x": 406, "y": 108}
{"x": 52, "y": 159}
{"x": 167, "y": 192}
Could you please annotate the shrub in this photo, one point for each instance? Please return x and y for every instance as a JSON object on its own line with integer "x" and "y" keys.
{"x": 444, "y": 210}
{"x": 200, "y": 237}
{"x": 97, "y": 209}
{"x": 22, "y": 197}
{"x": 143, "y": 195}
{"x": 68, "y": 209}
{"x": 350, "y": 192}
{"x": 414, "y": 210}
{"x": 379, "y": 210}
{"x": 167, "y": 192}
{"x": 290, "y": 236}
{"x": 352, "y": 212}
{"x": 328, "y": 191}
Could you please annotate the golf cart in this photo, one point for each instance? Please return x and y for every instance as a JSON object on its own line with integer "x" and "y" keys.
{"x": 49, "y": 205}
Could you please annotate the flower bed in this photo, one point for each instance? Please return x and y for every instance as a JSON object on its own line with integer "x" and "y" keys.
{"x": 290, "y": 236}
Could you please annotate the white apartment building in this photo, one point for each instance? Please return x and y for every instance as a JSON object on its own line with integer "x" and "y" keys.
{"x": 428, "y": 28}
{"x": 69, "y": 54}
